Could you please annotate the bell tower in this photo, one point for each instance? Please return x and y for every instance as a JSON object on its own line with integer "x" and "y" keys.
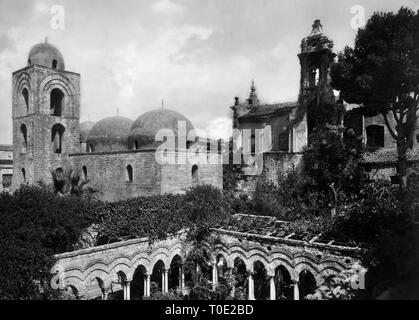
{"x": 46, "y": 113}
{"x": 315, "y": 59}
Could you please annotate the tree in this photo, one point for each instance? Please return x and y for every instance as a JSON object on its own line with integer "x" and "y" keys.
{"x": 332, "y": 166}
{"x": 35, "y": 225}
{"x": 67, "y": 182}
{"x": 381, "y": 73}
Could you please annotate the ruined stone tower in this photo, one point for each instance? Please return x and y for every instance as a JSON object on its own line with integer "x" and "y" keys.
{"x": 315, "y": 59}
{"x": 46, "y": 112}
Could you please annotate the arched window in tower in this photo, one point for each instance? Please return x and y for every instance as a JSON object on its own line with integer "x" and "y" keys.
{"x": 23, "y": 174}
{"x": 25, "y": 95}
{"x": 56, "y": 101}
{"x": 54, "y": 64}
{"x": 313, "y": 77}
{"x": 136, "y": 144}
{"x": 24, "y": 137}
{"x": 57, "y": 133}
{"x": 129, "y": 177}
{"x": 375, "y": 136}
{"x": 195, "y": 175}
{"x": 84, "y": 169}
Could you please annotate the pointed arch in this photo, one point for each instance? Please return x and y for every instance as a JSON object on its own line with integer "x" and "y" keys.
{"x": 57, "y": 133}
{"x": 24, "y": 137}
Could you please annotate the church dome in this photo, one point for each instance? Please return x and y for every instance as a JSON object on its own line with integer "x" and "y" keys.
{"x": 109, "y": 134}
{"x": 46, "y": 55}
{"x": 85, "y": 129}
{"x": 144, "y": 129}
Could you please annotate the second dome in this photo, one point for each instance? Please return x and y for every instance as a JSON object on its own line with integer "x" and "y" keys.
{"x": 144, "y": 129}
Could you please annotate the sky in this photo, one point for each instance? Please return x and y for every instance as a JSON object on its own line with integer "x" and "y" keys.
{"x": 196, "y": 55}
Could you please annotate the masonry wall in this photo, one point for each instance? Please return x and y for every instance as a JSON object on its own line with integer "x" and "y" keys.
{"x": 177, "y": 178}
{"x": 108, "y": 173}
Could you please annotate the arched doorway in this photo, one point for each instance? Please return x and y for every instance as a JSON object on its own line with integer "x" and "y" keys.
{"x": 306, "y": 283}
{"x": 261, "y": 281}
{"x": 283, "y": 284}
{"x": 137, "y": 283}
{"x": 175, "y": 273}
{"x": 157, "y": 277}
{"x": 240, "y": 279}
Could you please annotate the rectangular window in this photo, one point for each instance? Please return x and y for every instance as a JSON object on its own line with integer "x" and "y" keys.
{"x": 7, "y": 180}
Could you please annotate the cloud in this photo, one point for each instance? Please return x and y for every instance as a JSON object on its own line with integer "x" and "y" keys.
{"x": 168, "y": 7}
{"x": 6, "y": 43}
{"x": 220, "y": 128}
{"x": 195, "y": 54}
{"x": 41, "y": 7}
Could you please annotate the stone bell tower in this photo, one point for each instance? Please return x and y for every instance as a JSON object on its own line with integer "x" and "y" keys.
{"x": 315, "y": 59}
{"x": 45, "y": 112}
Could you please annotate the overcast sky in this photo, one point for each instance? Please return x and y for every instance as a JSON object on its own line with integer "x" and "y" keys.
{"x": 195, "y": 54}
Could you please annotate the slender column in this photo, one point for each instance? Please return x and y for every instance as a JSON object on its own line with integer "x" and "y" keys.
{"x": 162, "y": 281}
{"x": 214, "y": 276}
{"x": 166, "y": 280}
{"x": 148, "y": 285}
{"x": 296, "y": 291}
{"x": 145, "y": 285}
{"x": 124, "y": 287}
{"x": 128, "y": 289}
{"x": 251, "y": 294}
{"x": 273, "y": 289}
{"x": 233, "y": 288}
{"x": 182, "y": 278}
{"x": 105, "y": 293}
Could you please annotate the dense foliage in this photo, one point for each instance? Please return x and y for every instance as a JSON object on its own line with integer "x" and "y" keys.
{"x": 157, "y": 216}
{"x": 35, "y": 224}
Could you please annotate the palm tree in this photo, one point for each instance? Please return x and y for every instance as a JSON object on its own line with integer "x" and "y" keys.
{"x": 68, "y": 182}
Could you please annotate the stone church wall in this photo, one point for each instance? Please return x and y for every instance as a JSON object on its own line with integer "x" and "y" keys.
{"x": 108, "y": 173}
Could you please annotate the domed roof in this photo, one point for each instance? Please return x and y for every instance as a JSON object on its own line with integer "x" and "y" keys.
{"x": 144, "y": 129}
{"x": 111, "y": 130}
{"x": 85, "y": 129}
{"x": 46, "y": 55}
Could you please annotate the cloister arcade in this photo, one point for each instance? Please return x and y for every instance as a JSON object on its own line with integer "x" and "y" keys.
{"x": 133, "y": 269}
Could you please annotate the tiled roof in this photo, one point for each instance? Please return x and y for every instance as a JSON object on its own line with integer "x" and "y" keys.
{"x": 6, "y": 147}
{"x": 389, "y": 156}
{"x": 269, "y": 109}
